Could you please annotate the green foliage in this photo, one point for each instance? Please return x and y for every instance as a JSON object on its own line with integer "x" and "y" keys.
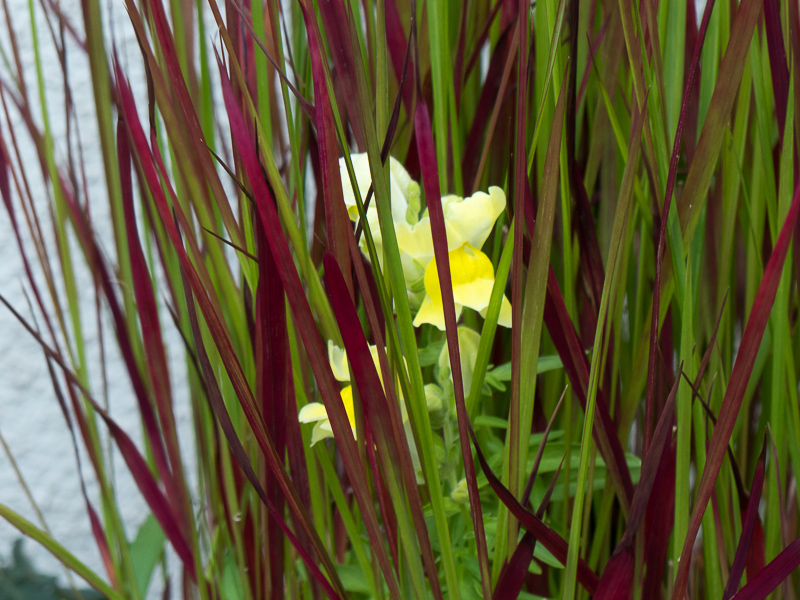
{"x": 19, "y": 580}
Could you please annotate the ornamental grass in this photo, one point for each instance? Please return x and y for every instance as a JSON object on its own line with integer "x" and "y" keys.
{"x": 397, "y": 389}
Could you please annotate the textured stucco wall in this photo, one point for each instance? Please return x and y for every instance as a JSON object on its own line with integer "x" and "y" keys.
{"x": 31, "y": 422}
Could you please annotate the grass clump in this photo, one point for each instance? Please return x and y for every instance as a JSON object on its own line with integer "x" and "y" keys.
{"x": 482, "y": 299}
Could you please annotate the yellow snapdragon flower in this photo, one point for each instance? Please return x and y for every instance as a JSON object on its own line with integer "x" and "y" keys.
{"x": 405, "y": 195}
{"x": 472, "y": 276}
{"x": 405, "y": 204}
{"x": 315, "y": 412}
{"x": 468, "y": 224}
{"x": 466, "y": 220}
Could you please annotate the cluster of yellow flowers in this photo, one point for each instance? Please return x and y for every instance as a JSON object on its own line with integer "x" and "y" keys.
{"x": 468, "y": 223}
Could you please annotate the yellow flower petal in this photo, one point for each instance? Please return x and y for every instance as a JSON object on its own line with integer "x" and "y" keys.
{"x": 337, "y": 357}
{"x": 416, "y": 240}
{"x": 321, "y": 431}
{"x": 472, "y": 278}
{"x": 471, "y": 274}
{"x": 347, "y": 400}
{"x": 314, "y": 412}
{"x": 472, "y": 219}
{"x": 430, "y": 313}
{"x": 505, "y": 313}
{"x": 401, "y": 186}
{"x": 433, "y": 313}
{"x": 504, "y": 318}
{"x": 363, "y": 179}
{"x": 311, "y": 412}
{"x": 466, "y": 220}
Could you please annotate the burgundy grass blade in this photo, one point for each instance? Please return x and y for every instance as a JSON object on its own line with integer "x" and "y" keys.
{"x": 492, "y": 91}
{"x": 512, "y": 576}
{"x": 659, "y": 522}
{"x": 161, "y": 508}
{"x": 483, "y": 36}
{"x": 773, "y": 30}
{"x": 526, "y": 493}
{"x": 576, "y": 364}
{"x": 101, "y": 272}
{"x": 238, "y": 452}
{"x": 148, "y": 317}
{"x": 272, "y": 356}
{"x": 748, "y": 525}
{"x": 660, "y": 516}
{"x": 652, "y": 459}
{"x": 584, "y": 221}
{"x": 396, "y": 43}
{"x": 297, "y": 464}
{"x": 554, "y": 543}
{"x": 336, "y": 220}
{"x": 742, "y": 369}
{"x": 195, "y": 142}
{"x": 430, "y": 179}
{"x": 306, "y": 105}
{"x": 731, "y": 69}
{"x": 98, "y": 532}
{"x": 617, "y": 580}
{"x": 618, "y": 577}
{"x": 771, "y": 576}
{"x": 594, "y": 48}
{"x": 336, "y": 23}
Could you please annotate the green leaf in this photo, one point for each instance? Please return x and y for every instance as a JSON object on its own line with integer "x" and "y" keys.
{"x": 146, "y": 550}
{"x": 232, "y": 580}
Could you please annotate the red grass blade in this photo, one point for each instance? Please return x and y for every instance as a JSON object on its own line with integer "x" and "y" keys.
{"x": 97, "y": 528}
{"x": 773, "y": 30}
{"x": 659, "y": 522}
{"x": 148, "y": 317}
{"x": 748, "y": 525}
{"x": 493, "y": 91}
{"x": 430, "y": 179}
{"x": 217, "y": 328}
{"x": 336, "y": 220}
{"x": 771, "y": 576}
{"x": 576, "y": 364}
{"x": 617, "y": 580}
{"x": 272, "y": 356}
{"x": 673, "y": 172}
{"x": 334, "y": 18}
{"x": 731, "y": 68}
{"x": 526, "y": 493}
{"x": 512, "y": 576}
{"x": 549, "y": 538}
{"x": 397, "y": 44}
{"x": 618, "y": 577}
{"x": 101, "y": 272}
